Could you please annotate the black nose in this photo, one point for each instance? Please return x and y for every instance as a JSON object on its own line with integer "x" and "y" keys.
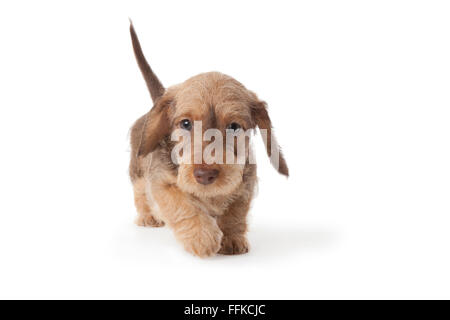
{"x": 205, "y": 176}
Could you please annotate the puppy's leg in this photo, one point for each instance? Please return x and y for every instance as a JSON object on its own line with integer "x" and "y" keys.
{"x": 144, "y": 218}
{"x": 233, "y": 224}
{"x": 195, "y": 229}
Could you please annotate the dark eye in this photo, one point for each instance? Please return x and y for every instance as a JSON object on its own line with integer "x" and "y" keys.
{"x": 234, "y": 126}
{"x": 186, "y": 124}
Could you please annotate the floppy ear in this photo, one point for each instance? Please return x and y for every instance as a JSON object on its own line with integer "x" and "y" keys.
{"x": 262, "y": 120}
{"x": 156, "y": 126}
{"x": 149, "y": 130}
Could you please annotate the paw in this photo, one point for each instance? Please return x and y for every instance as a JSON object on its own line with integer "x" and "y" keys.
{"x": 205, "y": 242}
{"x": 236, "y": 244}
{"x": 148, "y": 221}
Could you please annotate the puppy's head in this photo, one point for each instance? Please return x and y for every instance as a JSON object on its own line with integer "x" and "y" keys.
{"x": 213, "y": 114}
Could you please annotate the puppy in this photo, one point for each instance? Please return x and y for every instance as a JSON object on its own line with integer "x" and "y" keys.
{"x": 204, "y": 202}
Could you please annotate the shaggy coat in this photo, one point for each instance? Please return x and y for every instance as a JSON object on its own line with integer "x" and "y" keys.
{"x": 205, "y": 205}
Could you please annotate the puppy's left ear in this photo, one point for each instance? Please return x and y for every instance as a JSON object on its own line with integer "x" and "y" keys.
{"x": 262, "y": 120}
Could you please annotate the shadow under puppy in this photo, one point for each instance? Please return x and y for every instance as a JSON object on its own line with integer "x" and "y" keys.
{"x": 206, "y": 204}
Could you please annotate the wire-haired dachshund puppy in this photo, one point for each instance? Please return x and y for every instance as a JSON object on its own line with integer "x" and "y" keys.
{"x": 205, "y": 202}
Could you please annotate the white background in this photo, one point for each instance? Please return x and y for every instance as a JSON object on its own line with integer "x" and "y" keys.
{"x": 359, "y": 95}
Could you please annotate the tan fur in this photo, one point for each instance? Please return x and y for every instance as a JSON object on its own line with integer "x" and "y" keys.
{"x": 145, "y": 217}
{"x": 206, "y": 219}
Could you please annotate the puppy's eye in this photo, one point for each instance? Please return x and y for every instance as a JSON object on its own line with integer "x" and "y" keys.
{"x": 234, "y": 126}
{"x": 186, "y": 124}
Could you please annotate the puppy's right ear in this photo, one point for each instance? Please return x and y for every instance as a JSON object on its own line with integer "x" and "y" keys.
{"x": 156, "y": 126}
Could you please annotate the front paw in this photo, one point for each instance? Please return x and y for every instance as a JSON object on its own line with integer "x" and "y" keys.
{"x": 148, "y": 221}
{"x": 236, "y": 244}
{"x": 202, "y": 239}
